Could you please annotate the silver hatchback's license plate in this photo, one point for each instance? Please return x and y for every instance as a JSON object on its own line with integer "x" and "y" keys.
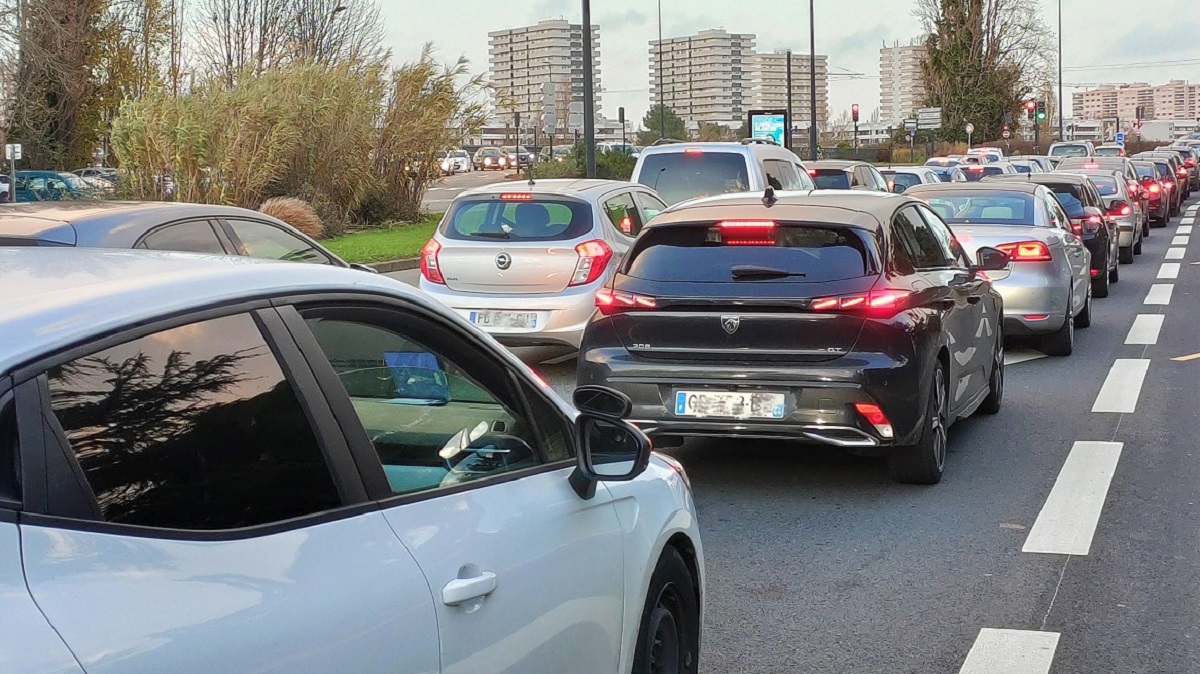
{"x": 731, "y": 404}
{"x": 504, "y": 319}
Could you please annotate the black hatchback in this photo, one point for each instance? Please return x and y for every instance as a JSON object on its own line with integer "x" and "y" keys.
{"x": 847, "y": 319}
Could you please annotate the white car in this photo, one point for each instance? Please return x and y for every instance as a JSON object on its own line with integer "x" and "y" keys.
{"x": 900, "y": 178}
{"x": 226, "y": 465}
{"x": 456, "y": 161}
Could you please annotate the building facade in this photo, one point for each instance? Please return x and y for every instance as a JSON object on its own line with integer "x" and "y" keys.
{"x": 901, "y": 84}
{"x": 769, "y": 89}
{"x": 703, "y": 77}
{"x": 1175, "y": 100}
{"x": 523, "y": 60}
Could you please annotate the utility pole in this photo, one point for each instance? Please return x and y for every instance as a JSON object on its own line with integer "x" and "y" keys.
{"x": 1060, "y": 82}
{"x": 662, "y": 97}
{"x": 788, "y": 137}
{"x": 812, "y": 81}
{"x": 589, "y": 93}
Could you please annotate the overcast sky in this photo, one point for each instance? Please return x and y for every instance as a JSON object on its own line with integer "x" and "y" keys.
{"x": 849, "y": 31}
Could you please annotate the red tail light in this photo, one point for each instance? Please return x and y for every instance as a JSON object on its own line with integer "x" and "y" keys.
{"x": 880, "y": 303}
{"x": 611, "y": 302}
{"x": 1120, "y": 212}
{"x": 747, "y": 232}
{"x": 1183, "y": 172}
{"x": 1153, "y": 188}
{"x": 1027, "y": 251}
{"x": 1191, "y": 161}
{"x": 429, "y": 262}
{"x": 1169, "y": 185}
{"x": 875, "y": 416}
{"x": 593, "y": 258}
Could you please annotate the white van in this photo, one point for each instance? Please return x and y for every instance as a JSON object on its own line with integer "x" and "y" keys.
{"x": 679, "y": 170}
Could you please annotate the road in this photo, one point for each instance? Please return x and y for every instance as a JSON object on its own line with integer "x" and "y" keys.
{"x": 438, "y": 197}
{"x": 1063, "y": 538}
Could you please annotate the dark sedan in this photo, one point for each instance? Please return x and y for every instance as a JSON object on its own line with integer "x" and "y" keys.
{"x": 847, "y": 319}
{"x": 194, "y": 228}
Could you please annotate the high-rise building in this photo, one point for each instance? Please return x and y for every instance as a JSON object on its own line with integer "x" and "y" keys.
{"x": 769, "y": 85}
{"x": 704, "y": 77}
{"x": 901, "y": 85}
{"x": 523, "y": 60}
{"x": 1175, "y": 100}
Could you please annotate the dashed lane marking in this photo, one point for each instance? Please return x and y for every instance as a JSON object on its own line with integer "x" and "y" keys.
{"x": 1185, "y": 228}
{"x": 1175, "y": 253}
{"x": 1168, "y": 270}
{"x": 1068, "y": 520}
{"x": 1122, "y": 386}
{"x": 1016, "y": 355}
{"x": 1145, "y": 329}
{"x": 1179, "y": 241}
{"x": 1011, "y": 652}
{"x": 1160, "y": 293}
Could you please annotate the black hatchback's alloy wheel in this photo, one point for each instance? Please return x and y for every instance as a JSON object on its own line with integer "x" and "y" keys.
{"x": 924, "y": 462}
{"x": 991, "y": 404}
{"x": 669, "y": 636}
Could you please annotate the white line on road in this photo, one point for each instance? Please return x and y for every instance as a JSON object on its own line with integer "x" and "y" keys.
{"x": 1179, "y": 241}
{"x": 1175, "y": 253}
{"x": 1160, "y": 293}
{"x": 1145, "y": 329}
{"x": 1169, "y": 270}
{"x": 1122, "y": 386}
{"x": 1018, "y": 354}
{"x": 1068, "y": 520}
{"x": 1185, "y": 228}
{"x": 1011, "y": 652}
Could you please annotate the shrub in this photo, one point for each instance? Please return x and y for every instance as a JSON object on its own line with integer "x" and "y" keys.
{"x": 295, "y": 212}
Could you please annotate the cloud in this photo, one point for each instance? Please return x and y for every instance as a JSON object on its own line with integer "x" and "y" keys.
{"x": 611, "y": 23}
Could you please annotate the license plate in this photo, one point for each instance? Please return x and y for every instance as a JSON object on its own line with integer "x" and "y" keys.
{"x": 736, "y": 405}
{"x": 504, "y": 319}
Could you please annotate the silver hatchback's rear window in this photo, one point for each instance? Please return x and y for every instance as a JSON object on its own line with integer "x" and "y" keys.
{"x": 518, "y": 220}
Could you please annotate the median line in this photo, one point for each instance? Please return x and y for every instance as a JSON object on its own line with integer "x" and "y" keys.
{"x": 1011, "y": 652}
{"x": 1122, "y": 386}
{"x": 1068, "y": 520}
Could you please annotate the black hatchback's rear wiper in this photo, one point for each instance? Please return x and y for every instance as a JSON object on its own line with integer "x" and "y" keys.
{"x": 754, "y": 271}
{"x": 491, "y": 235}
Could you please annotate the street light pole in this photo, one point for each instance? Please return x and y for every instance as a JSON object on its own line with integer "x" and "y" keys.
{"x": 812, "y": 81}
{"x": 787, "y": 139}
{"x": 662, "y": 96}
{"x": 1060, "y": 82}
{"x": 589, "y": 94}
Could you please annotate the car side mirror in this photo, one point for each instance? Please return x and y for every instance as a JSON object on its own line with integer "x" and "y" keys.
{"x": 610, "y": 450}
{"x": 601, "y": 401}
{"x": 990, "y": 259}
{"x": 1118, "y": 205}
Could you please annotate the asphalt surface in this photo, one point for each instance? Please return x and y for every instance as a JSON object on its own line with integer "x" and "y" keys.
{"x": 438, "y": 197}
{"x": 1040, "y": 551}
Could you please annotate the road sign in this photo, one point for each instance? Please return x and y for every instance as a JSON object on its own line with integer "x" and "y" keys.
{"x": 1120, "y": 139}
{"x": 930, "y": 118}
{"x": 1007, "y": 134}
{"x": 575, "y": 120}
{"x": 910, "y": 123}
{"x": 970, "y": 128}
{"x": 576, "y": 108}
{"x": 547, "y": 88}
{"x": 12, "y": 152}
{"x": 912, "y": 132}
{"x": 549, "y": 120}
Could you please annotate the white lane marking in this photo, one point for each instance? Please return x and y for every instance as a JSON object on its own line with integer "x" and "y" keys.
{"x": 1122, "y": 386}
{"x": 1179, "y": 241}
{"x": 1160, "y": 293}
{"x": 1069, "y": 517}
{"x": 1011, "y": 652}
{"x": 560, "y": 359}
{"x": 1021, "y": 355}
{"x": 1186, "y": 227}
{"x": 1169, "y": 270}
{"x": 1175, "y": 253}
{"x": 1145, "y": 329}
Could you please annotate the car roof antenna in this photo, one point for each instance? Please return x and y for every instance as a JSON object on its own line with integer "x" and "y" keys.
{"x": 769, "y": 197}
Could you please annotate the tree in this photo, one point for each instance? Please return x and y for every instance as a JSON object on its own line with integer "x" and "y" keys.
{"x": 713, "y": 132}
{"x": 676, "y": 128}
{"x": 336, "y": 31}
{"x": 982, "y": 58}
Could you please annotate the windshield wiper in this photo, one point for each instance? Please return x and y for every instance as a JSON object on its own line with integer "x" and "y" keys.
{"x": 491, "y": 235}
{"x": 742, "y": 271}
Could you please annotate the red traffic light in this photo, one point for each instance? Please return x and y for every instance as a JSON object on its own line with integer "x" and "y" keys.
{"x": 1030, "y": 105}
{"x": 854, "y": 112}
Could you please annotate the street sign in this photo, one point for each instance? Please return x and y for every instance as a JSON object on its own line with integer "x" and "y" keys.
{"x": 912, "y": 132}
{"x": 1120, "y": 139}
{"x": 575, "y": 120}
{"x": 547, "y": 88}
{"x": 576, "y": 108}
{"x": 12, "y": 152}
{"x": 930, "y": 118}
{"x": 1007, "y": 134}
{"x": 970, "y": 128}
{"x": 549, "y": 120}
{"x": 910, "y": 123}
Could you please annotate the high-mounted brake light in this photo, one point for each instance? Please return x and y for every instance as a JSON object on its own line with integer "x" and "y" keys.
{"x": 429, "y": 262}
{"x": 593, "y": 258}
{"x": 875, "y": 416}
{"x": 693, "y": 150}
{"x": 747, "y": 232}
{"x": 1026, "y": 251}
{"x": 611, "y": 302}
{"x": 516, "y": 196}
{"x": 879, "y": 303}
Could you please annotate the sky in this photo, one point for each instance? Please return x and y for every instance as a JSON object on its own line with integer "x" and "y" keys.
{"x": 1104, "y": 41}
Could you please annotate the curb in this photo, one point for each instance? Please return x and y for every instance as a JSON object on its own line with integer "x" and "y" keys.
{"x": 397, "y": 265}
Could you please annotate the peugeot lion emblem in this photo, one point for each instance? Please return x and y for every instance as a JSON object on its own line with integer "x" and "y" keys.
{"x": 503, "y": 261}
{"x": 731, "y": 323}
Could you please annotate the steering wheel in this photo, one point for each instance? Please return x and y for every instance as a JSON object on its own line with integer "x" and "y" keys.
{"x": 487, "y": 455}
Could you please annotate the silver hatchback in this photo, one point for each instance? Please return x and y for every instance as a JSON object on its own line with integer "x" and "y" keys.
{"x": 523, "y": 261}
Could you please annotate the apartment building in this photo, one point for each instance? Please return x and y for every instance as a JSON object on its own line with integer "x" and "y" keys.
{"x": 703, "y": 77}
{"x": 522, "y": 60}
{"x": 901, "y": 85}
{"x": 769, "y": 85}
{"x": 1175, "y": 100}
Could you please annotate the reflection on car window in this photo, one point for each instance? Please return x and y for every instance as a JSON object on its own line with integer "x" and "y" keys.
{"x": 431, "y": 423}
{"x": 191, "y": 237}
{"x": 192, "y": 428}
{"x": 532, "y": 220}
{"x": 272, "y": 243}
{"x": 623, "y": 215}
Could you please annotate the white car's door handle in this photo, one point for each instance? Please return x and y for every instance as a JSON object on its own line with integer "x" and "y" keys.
{"x": 461, "y": 590}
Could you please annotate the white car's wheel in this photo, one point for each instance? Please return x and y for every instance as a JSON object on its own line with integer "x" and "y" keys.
{"x": 669, "y": 635}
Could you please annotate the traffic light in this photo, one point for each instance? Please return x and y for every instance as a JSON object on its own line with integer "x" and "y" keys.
{"x": 1041, "y": 111}
{"x": 854, "y": 113}
{"x": 1030, "y": 106}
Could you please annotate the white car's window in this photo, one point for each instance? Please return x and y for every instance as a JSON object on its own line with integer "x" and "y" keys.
{"x": 433, "y": 422}
{"x": 192, "y": 428}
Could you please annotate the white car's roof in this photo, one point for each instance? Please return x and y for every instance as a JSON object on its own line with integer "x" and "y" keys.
{"x": 55, "y": 297}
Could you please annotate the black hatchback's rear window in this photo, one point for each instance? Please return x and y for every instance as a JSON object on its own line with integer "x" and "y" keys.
{"x": 707, "y": 254}
{"x": 533, "y": 220}
{"x": 831, "y": 179}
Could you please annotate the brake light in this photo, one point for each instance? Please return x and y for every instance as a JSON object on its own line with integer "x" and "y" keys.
{"x": 1168, "y": 185}
{"x": 812, "y": 172}
{"x": 1120, "y": 212}
{"x": 1183, "y": 171}
{"x": 880, "y": 303}
{"x": 429, "y": 262}
{"x": 875, "y": 416}
{"x": 1027, "y": 251}
{"x": 747, "y": 232}
{"x": 611, "y": 302}
{"x": 593, "y": 258}
{"x": 516, "y": 196}
{"x": 1190, "y": 161}
{"x": 693, "y": 150}
{"x": 1154, "y": 188}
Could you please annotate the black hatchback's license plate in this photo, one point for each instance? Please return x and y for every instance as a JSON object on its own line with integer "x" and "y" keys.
{"x": 729, "y": 404}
